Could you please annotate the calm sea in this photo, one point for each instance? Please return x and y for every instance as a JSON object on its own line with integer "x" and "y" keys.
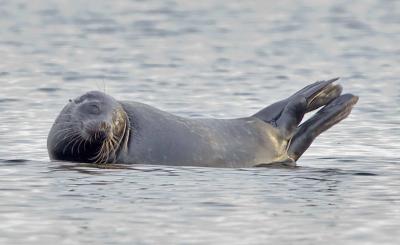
{"x": 206, "y": 58}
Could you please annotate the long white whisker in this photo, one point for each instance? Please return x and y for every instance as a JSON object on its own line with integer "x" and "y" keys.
{"x": 65, "y": 130}
{"x": 77, "y": 139}
{"x": 79, "y": 146}
{"x": 69, "y": 143}
{"x": 67, "y": 136}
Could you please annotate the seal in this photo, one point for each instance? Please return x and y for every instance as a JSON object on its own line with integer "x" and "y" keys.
{"x": 96, "y": 128}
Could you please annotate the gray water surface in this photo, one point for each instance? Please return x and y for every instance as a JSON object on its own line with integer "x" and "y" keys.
{"x": 200, "y": 59}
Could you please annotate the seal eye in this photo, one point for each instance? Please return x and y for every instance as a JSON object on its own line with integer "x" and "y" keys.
{"x": 91, "y": 108}
{"x": 94, "y": 109}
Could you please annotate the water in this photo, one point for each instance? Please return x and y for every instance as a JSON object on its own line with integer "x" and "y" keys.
{"x": 200, "y": 59}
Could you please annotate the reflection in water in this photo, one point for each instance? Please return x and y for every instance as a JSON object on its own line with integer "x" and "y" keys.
{"x": 200, "y": 59}
{"x": 94, "y": 168}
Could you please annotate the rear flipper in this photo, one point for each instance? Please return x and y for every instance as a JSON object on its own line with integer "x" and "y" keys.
{"x": 332, "y": 113}
{"x": 316, "y": 95}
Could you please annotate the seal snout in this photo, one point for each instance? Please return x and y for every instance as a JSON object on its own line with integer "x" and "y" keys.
{"x": 98, "y": 130}
{"x": 104, "y": 131}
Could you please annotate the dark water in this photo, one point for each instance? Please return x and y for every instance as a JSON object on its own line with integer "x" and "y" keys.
{"x": 200, "y": 59}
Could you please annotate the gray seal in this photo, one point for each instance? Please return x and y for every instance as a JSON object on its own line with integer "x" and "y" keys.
{"x": 96, "y": 128}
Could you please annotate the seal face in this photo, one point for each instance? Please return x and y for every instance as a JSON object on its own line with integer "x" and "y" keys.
{"x": 90, "y": 128}
{"x": 96, "y": 128}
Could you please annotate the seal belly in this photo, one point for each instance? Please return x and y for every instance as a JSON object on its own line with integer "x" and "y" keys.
{"x": 242, "y": 142}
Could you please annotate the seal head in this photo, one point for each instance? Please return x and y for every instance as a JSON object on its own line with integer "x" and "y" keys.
{"x": 91, "y": 128}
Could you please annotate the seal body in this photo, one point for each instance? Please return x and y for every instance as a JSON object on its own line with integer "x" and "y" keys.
{"x": 97, "y": 128}
{"x": 158, "y": 137}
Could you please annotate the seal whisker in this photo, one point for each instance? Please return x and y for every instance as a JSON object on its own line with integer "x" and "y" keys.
{"x": 100, "y": 154}
{"x": 84, "y": 145}
{"x": 109, "y": 148}
{"x": 81, "y": 140}
{"x": 104, "y": 153}
{"x": 113, "y": 148}
{"x": 72, "y": 139}
{"x": 110, "y": 152}
{"x": 63, "y": 133}
{"x": 96, "y": 157}
{"x": 64, "y": 130}
{"x": 67, "y": 136}
{"x": 77, "y": 139}
{"x": 96, "y": 135}
{"x": 126, "y": 135}
{"x": 113, "y": 141}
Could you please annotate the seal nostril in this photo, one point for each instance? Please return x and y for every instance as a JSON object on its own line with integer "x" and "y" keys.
{"x": 102, "y": 135}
